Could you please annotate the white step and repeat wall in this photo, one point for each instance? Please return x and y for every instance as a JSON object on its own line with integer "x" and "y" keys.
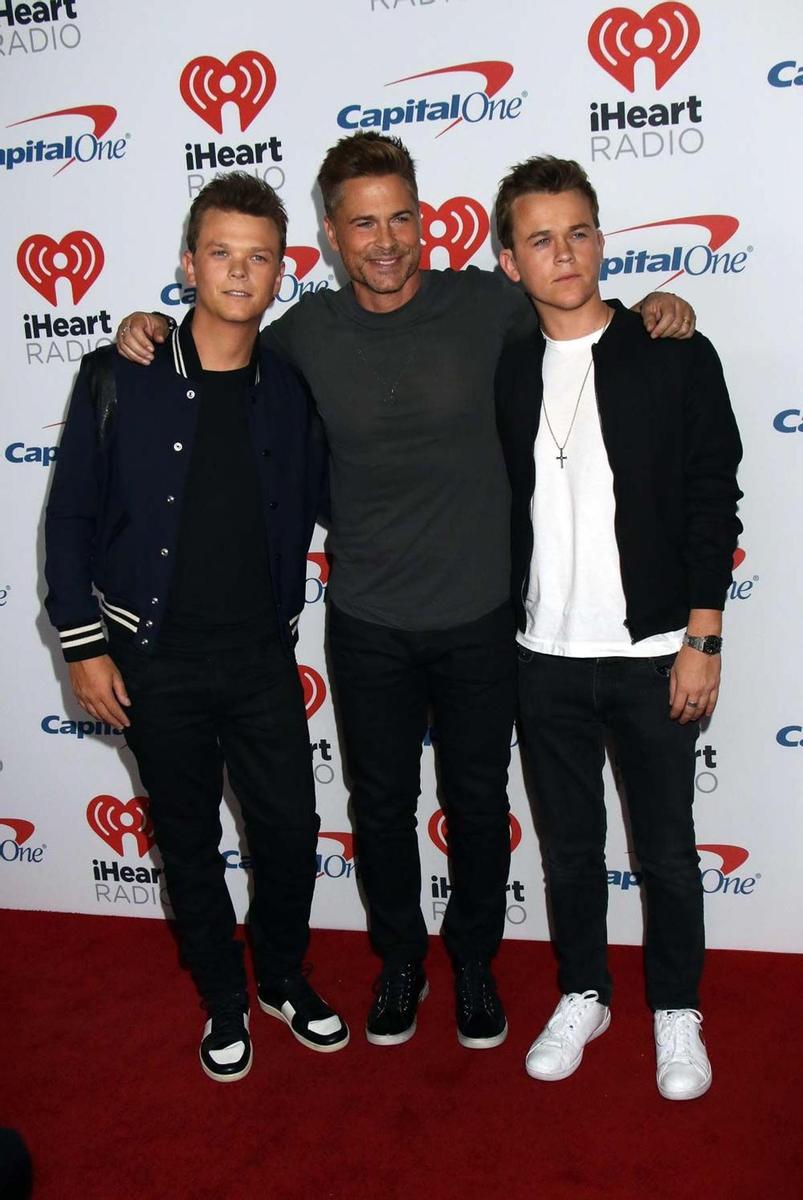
{"x": 688, "y": 118}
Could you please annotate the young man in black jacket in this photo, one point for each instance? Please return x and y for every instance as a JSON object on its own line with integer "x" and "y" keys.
{"x": 186, "y": 495}
{"x": 622, "y": 458}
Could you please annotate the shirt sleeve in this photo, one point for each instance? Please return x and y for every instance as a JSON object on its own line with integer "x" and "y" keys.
{"x": 71, "y": 522}
{"x": 712, "y": 452}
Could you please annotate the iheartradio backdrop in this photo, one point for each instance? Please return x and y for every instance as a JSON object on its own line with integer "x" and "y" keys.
{"x": 687, "y": 118}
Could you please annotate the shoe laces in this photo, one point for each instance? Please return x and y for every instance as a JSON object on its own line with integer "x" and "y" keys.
{"x": 228, "y": 1019}
{"x": 394, "y": 988}
{"x": 567, "y": 1019}
{"x": 477, "y": 990}
{"x": 678, "y": 1032}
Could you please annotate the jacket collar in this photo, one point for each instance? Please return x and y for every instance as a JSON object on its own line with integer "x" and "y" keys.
{"x": 185, "y": 356}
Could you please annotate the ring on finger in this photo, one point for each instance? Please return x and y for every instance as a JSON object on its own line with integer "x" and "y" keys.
{"x": 692, "y": 704}
{"x": 124, "y": 330}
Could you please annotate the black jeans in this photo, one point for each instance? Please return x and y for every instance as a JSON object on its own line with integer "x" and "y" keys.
{"x": 568, "y": 706}
{"x": 189, "y": 717}
{"x": 387, "y": 680}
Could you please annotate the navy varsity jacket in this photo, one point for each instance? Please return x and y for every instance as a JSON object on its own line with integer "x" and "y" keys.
{"x": 114, "y": 511}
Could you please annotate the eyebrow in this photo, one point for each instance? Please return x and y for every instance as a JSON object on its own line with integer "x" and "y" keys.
{"x": 541, "y": 232}
{"x": 251, "y": 249}
{"x": 402, "y": 212}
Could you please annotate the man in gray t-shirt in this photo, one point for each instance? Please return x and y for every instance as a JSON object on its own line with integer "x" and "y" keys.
{"x": 401, "y": 363}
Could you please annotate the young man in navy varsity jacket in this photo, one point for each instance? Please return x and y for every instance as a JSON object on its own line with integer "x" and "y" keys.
{"x": 177, "y": 529}
{"x": 622, "y": 456}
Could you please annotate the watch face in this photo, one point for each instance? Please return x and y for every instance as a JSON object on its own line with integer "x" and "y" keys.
{"x": 712, "y": 644}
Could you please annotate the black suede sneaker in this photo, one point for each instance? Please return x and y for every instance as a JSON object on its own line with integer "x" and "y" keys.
{"x": 399, "y": 991}
{"x": 311, "y": 1020}
{"x": 481, "y": 1021}
{"x": 225, "y": 1051}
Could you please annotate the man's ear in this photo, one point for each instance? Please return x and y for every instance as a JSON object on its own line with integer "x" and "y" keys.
{"x": 189, "y": 269}
{"x": 278, "y": 282}
{"x": 508, "y": 264}
{"x": 331, "y": 235}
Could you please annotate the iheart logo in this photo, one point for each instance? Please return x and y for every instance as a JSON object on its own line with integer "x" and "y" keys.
{"x": 314, "y": 689}
{"x": 321, "y": 561}
{"x": 78, "y": 257}
{"x": 732, "y": 856}
{"x": 739, "y": 555}
{"x": 303, "y": 259}
{"x": 667, "y": 35}
{"x": 460, "y": 226}
{"x": 438, "y": 831}
{"x": 22, "y": 829}
{"x": 112, "y": 821}
{"x": 248, "y": 80}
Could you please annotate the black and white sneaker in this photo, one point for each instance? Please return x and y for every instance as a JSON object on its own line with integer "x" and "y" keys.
{"x": 225, "y": 1052}
{"x": 481, "y": 1021}
{"x": 311, "y": 1020}
{"x": 399, "y": 991}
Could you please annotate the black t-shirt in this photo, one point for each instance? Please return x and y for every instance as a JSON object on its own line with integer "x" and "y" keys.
{"x": 420, "y": 498}
{"x": 220, "y": 596}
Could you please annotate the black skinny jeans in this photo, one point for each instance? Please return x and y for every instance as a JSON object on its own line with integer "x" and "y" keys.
{"x": 387, "y": 681}
{"x": 189, "y": 718}
{"x": 567, "y": 708}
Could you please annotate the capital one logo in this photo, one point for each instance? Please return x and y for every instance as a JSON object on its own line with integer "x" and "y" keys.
{"x": 667, "y": 35}
{"x": 471, "y": 107}
{"x": 314, "y": 689}
{"x": 697, "y": 258}
{"x": 302, "y": 258}
{"x": 78, "y": 258}
{"x": 317, "y": 577}
{"x": 338, "y": 860}
{"x": 112, "y": 820}
{"x": 82, "y": 146}
{"x": 248, "y": 80}
{"x": 459, "y": 226}
{"x": 22, "y": 830}
{"x": 438, "y": 832}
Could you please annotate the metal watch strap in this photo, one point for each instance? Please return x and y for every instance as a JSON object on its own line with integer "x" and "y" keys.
{"x": 711, "y": 643}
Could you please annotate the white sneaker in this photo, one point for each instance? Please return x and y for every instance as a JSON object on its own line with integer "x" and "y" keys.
{"x": 684, "y": 1072}
{"x": 558, "y": 1051}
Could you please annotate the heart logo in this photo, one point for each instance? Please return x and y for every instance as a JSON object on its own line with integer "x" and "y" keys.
{"x": 739, "y": 556}
{"x": 667, "y": 35}
{"x": 460, "y": 225}
{"x": 248, "y": 80}
{"x": 438, "y": 831}
{"x": 112, "y": 820}
{"x": 314, "y": 689}
{"x": 78, "y": 257}
{"x": 304, "y": 259}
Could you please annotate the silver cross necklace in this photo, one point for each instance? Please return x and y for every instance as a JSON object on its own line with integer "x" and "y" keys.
{"x": 560, "y": 456}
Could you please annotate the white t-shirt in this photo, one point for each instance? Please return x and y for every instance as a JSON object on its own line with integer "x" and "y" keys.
{"x": 575, "y": 603}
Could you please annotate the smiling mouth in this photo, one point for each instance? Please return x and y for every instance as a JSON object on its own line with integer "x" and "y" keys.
{"x": 237, "y": 295}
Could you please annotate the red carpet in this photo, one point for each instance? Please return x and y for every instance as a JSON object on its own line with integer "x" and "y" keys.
{"x": 100, "y": 1074}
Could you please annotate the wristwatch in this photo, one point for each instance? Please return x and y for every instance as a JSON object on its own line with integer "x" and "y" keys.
{"x": 710, "y": 644}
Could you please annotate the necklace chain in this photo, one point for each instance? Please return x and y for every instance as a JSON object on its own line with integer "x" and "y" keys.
{"x": 560, "y": 456}
{"x": 389, "y": 387}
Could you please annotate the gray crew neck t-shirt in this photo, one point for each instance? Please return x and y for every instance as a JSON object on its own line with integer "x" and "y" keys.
{"x": 420, "y": 499}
